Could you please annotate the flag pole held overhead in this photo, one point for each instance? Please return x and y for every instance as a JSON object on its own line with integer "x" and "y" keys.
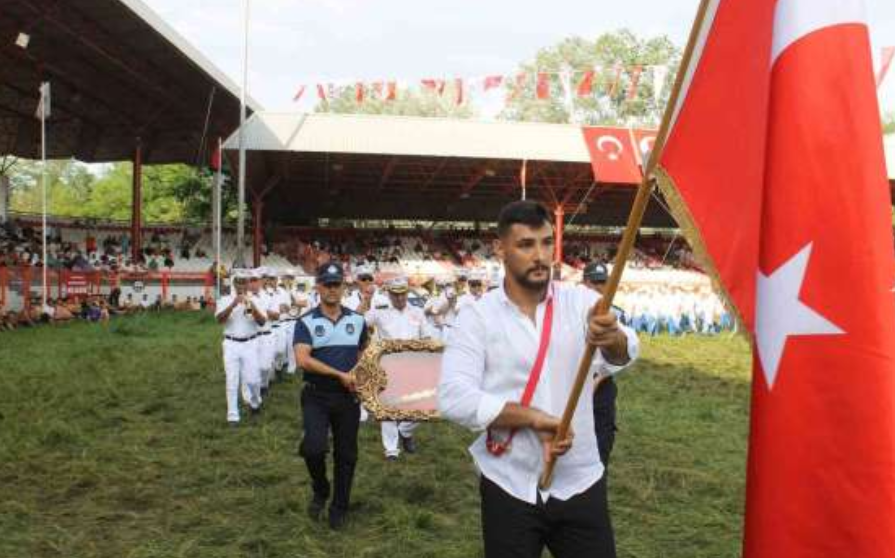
{"x": 627, "y": 242}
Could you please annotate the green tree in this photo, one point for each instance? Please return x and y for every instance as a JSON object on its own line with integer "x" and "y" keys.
{"x": 171, "y": 193}
{"x": 575, "y": 56}
{"x": 69, "y": 184}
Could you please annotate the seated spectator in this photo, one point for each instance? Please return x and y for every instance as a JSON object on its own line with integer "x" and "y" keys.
{"x": 62, "y": 313}
{"x": 93, "y": 312}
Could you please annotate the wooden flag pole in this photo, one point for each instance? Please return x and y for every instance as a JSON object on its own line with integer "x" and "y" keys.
{"x": 630, "y": 235}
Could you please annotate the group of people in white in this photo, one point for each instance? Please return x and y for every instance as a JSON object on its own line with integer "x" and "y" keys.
{"x": 261, "y": 310}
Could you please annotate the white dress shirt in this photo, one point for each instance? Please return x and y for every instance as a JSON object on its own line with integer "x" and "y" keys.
{"x": 241, "y": 323}
{"x": 353, "y": 301}
{"x": 391, "y": 323}
{"x": 486, "y": 365}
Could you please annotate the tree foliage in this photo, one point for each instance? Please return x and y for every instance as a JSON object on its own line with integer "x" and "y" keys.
{"x": 607, "y": 52}
{"x": 889, "y": 123}
{"x": 171, "y": 193}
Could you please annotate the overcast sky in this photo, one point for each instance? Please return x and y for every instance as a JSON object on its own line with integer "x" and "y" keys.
{"x": 306, "y": 41}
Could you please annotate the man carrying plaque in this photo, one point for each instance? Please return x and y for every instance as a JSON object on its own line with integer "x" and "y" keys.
{"x": 399, "y": 321}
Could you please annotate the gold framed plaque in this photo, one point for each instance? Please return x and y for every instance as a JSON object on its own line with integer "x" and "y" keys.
{"x": 397, "y": 380}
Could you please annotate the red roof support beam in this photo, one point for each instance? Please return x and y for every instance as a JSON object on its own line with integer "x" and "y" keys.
{"x": 137, "y": 205}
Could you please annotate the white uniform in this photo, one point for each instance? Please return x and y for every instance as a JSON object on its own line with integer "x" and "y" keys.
{"x": 267, "y": 344}
{"x": 240, "y": 357}
{"x": 380, "y": 301}
{"x": 443, "y": 315}
{"x": 280, "y": 297}
{"x": 296, "y": 309}
{"x": 465, "y": 300}
{"x": 390, "y": 323}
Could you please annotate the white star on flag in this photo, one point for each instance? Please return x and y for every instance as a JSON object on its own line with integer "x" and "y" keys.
{"x": 780, "y": 314}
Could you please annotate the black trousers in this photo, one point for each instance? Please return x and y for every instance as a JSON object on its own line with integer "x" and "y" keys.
{"x": 575, "y": 528}
{"x": 604, "y": 418}
{"x": 322, "y": 411}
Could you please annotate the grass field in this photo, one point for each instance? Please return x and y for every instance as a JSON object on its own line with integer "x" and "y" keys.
{"x": 113, "y": 444}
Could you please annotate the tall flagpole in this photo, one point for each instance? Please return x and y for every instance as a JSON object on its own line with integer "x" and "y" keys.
{"x": 44, "y": 107}
{"x": 240, "y": 225}
{"x": 627, "y": 243}
{"x": 218, "y": 218}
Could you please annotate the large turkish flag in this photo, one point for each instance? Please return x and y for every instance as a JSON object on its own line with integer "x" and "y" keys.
{"x": 774, "y": 165}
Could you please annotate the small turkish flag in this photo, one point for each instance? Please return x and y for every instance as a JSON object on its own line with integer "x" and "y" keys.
{"x": 612, "y": 155}
{"x": 543, "y": 86}
{"x": 782, "y": 184}
{"x": 586, "y": 85}
{"x": 492, "y": 82}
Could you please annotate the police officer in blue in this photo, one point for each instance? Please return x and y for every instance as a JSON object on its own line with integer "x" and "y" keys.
{"x": 328, "y": 342}
{"x": 595, "y": 277}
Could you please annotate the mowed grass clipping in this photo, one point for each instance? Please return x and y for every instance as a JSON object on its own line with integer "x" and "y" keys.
{"x": 113, "y": 444}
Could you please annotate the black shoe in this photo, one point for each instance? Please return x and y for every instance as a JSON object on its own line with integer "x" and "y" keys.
{"x": 315, "y": 508}
{"x": 409, "y": 444}
{"x": 337, "y": 519}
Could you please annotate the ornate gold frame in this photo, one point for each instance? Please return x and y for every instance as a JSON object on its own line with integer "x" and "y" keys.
{"x": 372, "y": 380}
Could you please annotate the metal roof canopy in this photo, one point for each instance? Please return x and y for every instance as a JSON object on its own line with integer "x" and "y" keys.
{"x": 306, "y": 166}
{"x": 118, "y": 72}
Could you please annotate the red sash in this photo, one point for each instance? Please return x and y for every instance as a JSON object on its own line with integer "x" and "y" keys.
{"x": 498, "y": 448}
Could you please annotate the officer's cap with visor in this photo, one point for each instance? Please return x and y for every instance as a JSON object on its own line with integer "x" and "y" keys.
{"x": 596, "y": 272}
{"x": 363, "y": 273}
{"x": 397, "y": 285}
{"x": 330, "y": 273}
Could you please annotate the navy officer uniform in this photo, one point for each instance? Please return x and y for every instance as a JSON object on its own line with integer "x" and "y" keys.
{"x": 325, "y": 401}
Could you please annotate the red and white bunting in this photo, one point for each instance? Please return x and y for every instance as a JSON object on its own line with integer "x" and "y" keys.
{"x": 492, "y": 82}
{"x": 586, "y": 85}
